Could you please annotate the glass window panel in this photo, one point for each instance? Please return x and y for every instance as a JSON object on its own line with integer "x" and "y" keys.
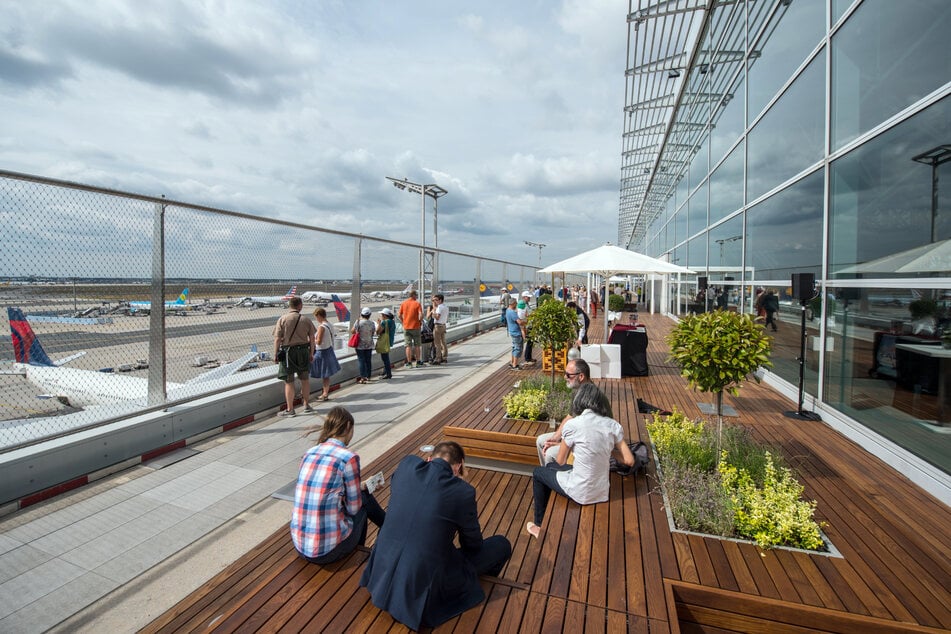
{"x": 792, "y": 33}
{"x": 790, "y": 137}
{"x": 726, "y": 186}
{"x": 726, "y": 248}
{"x": 680, "y": 226}
{"x": 882, "y": 205}
{"x": 838, "y": 8}
{"x": 784, "y": 232}
{"x": 885, "y": 369}
{"x": 886, "y": 57}
{"x": 697, "y": 211}
{"x": 729, "y": 126}
{"x": 697, "y": 253}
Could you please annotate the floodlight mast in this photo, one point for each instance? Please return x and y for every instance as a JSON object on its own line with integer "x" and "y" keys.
{"x": 540, "y": 247}
{"x": 435, "y": 192}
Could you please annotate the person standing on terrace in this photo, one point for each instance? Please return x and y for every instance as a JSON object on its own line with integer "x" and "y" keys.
{"x": 411, "y": 316}
{"x": 593, "y": 436}
{"x": 294, "y": 335}
{"x": 331, "y": 508}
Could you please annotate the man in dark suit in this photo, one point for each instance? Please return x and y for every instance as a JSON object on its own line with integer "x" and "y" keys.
{"x": 415, "y": 572}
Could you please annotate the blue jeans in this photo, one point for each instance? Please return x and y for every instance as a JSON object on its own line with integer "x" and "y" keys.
{"x": 544, "y": 481}
{"x": 387, "y": 370}
{"x": 370, "y": 509}
{"x": 365, "y": 360}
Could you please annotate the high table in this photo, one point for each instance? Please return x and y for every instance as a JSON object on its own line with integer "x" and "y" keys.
{"x": 633, "y": 342}
{"x": 943, "y": 355}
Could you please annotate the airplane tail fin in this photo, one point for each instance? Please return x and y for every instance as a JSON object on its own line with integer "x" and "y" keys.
{"x": 26, "y": 345}
{"x": 408, "y": 288}
{"x": 292, "y": 292}
{"x": 343, "y": 313}
{"x": 183, "y": 298}
{"x": 484, "y": 291}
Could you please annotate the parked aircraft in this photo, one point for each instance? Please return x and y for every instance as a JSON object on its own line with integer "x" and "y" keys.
{"x": 390, "y": 294}
{"x": 146, "y": 307}
{"x": 343, "y": 314}
{"x": 320, "y": 297}
{"x": 272, "y": 300}
{"x": 83, "y": 388}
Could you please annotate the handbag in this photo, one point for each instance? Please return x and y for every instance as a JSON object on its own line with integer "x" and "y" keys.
{"x": 281, "y": 354}
{"x": 354, "y": 339}
{"x": 383, "y": 341}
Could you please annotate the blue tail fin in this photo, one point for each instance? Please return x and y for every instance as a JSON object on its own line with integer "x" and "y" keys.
{"x": 343, "y": 313}
{"x": 26, "y": 345}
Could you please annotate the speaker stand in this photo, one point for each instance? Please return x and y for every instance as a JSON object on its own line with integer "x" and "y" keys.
{"x": 800, "y": 414}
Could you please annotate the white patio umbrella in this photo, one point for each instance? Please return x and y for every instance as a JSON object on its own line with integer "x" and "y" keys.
{"x": 933, "y": 257}
{"x": 609, "y": 260}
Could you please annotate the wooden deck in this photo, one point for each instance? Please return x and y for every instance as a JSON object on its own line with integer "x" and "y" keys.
{"x": 617, "y": 566}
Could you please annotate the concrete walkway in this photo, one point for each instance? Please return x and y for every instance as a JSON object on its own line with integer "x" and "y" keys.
{"x": 115, "y": 554}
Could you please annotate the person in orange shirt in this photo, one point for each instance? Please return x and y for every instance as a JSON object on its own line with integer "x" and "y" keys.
{"x": 411, "y": 315}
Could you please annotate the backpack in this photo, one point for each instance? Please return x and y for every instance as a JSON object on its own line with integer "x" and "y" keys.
{"x": 641, "y": 459}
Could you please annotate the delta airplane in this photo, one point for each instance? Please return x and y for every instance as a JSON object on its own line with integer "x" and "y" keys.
{"x": 146, "y": 307}
{"x": 343, "y": 314}
{"x": 273, "y": 300}
{"x": 84, "y": 388}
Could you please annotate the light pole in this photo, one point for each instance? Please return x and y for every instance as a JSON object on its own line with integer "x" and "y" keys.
{"x": 434, "y": 191}
{"x": 540, "y": 247}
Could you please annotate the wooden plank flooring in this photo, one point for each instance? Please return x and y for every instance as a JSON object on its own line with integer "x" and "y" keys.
{"x": 617, "y": 566}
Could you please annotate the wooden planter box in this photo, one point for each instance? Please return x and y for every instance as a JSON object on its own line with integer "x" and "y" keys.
{"x": 561, "y": 359}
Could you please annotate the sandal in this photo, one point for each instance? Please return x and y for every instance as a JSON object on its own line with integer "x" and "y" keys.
{"x": 323, "y": 397}
{"x": 533, "y": 529}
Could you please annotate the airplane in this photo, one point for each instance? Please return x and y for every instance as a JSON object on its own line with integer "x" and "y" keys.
{"x": 83, "y": 388}
{"x": 343, "y": 313}
{"x": 320, "y": 297}
{"x": 272, "y": 300}
{"x": 486, "y": 298}
{"x": 390, "y": 294}
{"x": 146, "y": 307}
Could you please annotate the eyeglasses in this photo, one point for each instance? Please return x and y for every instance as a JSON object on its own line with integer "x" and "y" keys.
{"x": 571, "y": 374}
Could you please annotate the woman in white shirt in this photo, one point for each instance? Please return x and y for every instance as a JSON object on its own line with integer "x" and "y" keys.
{"x": 325, "y": 363}
{"x": 593, "y": 436}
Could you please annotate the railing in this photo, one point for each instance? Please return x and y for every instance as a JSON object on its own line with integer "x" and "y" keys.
{"x": 155, "y": 302}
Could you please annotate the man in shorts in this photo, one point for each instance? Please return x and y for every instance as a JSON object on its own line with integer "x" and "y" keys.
{"x": 514, "y": 326}
{"x": 411, "y": 316}
{"x": 296, "y": 334}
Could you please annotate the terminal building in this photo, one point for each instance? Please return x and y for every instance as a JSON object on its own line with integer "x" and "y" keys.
{"x": 773, "y": 142}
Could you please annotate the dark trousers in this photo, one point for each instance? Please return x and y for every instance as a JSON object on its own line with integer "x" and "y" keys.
{"x": 365, "y": 361}
{"x": 387, "y": 370}
{"x": 490, "y": 560}
{"x": 544, "y": 481}
{"x": 370, "y": 509}
{"x": 528, "y": 349}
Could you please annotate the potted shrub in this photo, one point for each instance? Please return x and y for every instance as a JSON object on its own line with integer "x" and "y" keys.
{"x": 717, "y": 351}
{"x": 741, "y": 490}
{"x": 615, "y": 303}
{"x": 554, "y": 326}
{"x": 536, "y": 398}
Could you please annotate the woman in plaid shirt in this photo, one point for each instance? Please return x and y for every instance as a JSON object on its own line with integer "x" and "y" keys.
{"x": 330, "y": 508}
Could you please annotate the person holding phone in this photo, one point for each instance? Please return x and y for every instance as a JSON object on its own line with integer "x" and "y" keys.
{"x": 439, "y": 313}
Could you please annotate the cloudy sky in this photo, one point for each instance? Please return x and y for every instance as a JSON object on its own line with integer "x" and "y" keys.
{"x": 299, "y": 110}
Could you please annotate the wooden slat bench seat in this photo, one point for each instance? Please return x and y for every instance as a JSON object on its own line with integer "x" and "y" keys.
{"x": 702, "y": 608}
{"x": 495, "y": 445}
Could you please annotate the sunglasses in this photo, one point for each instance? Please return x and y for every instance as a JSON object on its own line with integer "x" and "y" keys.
{"x": 571, "y": 374}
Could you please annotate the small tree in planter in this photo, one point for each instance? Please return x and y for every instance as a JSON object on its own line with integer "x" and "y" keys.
{"x": 554, "y": 326}
{"x": 717, "y": 351}
{"x": 615, "y": 303}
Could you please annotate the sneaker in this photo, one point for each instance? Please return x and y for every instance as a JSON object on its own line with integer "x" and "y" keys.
{"x": 308, "y": 409}
{"x": 287, "y": 413}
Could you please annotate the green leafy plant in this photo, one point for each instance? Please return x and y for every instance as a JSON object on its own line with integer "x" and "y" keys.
{"x": 717, "y": 351}
{"x": 773, "y": 513}
{"x": 536, "y": 398}
{"x": 747, "y": 493}
{"x": 553, "y": 326}
{"x": 615, "y": 303}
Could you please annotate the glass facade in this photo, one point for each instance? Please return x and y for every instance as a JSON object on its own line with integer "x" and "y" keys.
{"x": 829, "y": 152}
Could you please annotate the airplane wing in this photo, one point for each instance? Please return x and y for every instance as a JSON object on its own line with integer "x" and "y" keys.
{"x": 71, "y": 357}
{"x": 225, "y": 370}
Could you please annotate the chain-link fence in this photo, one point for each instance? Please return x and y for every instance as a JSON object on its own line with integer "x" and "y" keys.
{"x": 118, "y": 303}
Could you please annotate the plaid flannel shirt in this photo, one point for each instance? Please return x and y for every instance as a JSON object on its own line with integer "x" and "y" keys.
{"x": 326, "y": 498}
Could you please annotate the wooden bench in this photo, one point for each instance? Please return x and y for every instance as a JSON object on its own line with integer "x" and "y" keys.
{"x": 700, "y": 608}
{"x": 494, "y": 445}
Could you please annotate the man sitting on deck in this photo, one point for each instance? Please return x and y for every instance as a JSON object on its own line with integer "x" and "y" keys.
{"x": 415, "y": 572}
{"x": 577, "y": 372}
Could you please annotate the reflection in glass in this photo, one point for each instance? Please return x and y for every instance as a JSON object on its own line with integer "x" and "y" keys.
{"x": 889, "y": 216}
{"x": 794, "y": 31}
{"x": 697, "y": 210}
{"x": 885, "y": 58}
{"x": 885, "y": 365}
{"x": 726, "y": 186}
{"x": 730, "y": 125}
{"x": 784, "y": 232}
{"x": 790, "y": 137}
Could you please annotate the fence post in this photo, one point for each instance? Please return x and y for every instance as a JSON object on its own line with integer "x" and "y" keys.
{"x": 156, "y": 389}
